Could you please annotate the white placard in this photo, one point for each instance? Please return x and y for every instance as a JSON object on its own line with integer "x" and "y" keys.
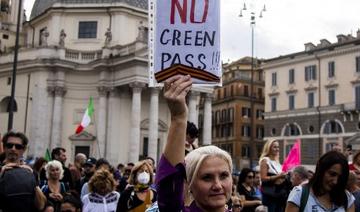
{"x": 184, "y": 32}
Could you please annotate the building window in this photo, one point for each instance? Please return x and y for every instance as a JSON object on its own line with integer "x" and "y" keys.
{"x": 260, "y": 132}
{"x": 40, "y": 35}
{"x": 291, "y": 102}
{"x": 9, "y": 81}
{"x": 273, "y": 131}
{"x": 246, "y": 90}
{"x": 358, "y": 64}
{"x": 311, "y": 99}
{"x": 310, "y": 72}
{"x": 231, "y": 115}
{"x": 223, "y": 116}
{"x": 5, "y": 36}
{"x": 357, "y": 97}
{"x": 246, "y": 131}
{"x": 225, "y": 92}
{"x": 246, "y": 112}
{"x": 245, "y": 150}
{"x": 292, "y": 130}
{"x": 260, "y": 93}
{"x": 311, "y": 129}
{"x": 273, "y": 104}
{"x": 332, "y": 97}
{"x": 331, "y": 69}
{"x": 273, "y": 79}
{"x": 87, "y": 29}
{"x": 332, "y": 127}
{"x": 259, "y": 114}
{"x": 291, "y": 76}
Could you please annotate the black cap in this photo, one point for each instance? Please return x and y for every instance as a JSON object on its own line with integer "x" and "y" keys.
{"x": 90, "y": 161}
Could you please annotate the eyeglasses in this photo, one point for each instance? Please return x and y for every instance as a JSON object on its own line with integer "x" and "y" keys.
{"x": 17, "y": 146}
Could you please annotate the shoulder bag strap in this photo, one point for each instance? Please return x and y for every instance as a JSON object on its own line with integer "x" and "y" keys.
{"x": 304, "y": 197}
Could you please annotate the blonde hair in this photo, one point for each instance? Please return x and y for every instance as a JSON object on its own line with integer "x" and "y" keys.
{"x": 135, "y": 169}
{"x": 54, "y": 164}
{"x": 267, "y": 148}
{"x": 196, "y": 157}
{"x": 102, "y": 177}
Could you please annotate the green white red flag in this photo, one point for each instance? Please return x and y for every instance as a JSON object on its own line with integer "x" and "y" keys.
{"x": 86, "y": 120}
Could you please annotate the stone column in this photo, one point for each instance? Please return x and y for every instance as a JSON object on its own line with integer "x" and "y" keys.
{"x": 113, "y": 132}
{"x": 193, "y": 102}
{"x": 134, "y": 150}
{"x": 153, "y": 123}
{"x": 57, "y": 117}
{"x": 207, "y": 120}
{"x": 49, "y": 112}
{"x": 102, "y": 120}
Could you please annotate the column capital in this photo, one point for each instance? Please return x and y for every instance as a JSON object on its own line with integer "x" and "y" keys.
{"x": 103, "y": 91}
{"x": 208, "y": 96}
{"x": 113, "y": 91}
{"x": 194, "y": 94}
{"x": 59, "y": 91}
{"x": 137, "y": 86}
{"x": 155, "y": 91}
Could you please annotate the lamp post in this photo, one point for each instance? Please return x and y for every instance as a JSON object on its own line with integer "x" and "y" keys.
{"x": 13, "y": 81}
{"x": 252, "y": 144}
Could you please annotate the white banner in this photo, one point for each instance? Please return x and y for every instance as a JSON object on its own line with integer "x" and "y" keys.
{"x": 185, "y": 32}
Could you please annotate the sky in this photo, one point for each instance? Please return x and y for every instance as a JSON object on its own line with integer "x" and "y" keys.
{"x": 285, "y": 27}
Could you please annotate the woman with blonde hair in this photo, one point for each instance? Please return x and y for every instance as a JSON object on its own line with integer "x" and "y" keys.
{"x": 138, "y": 196}
{"x": 102, "y": 196}
{"x": 53, "y": 189}
{"x": 273, "y": 179}
{"x": 207, "y": 170}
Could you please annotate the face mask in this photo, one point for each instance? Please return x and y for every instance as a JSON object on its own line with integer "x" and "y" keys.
{"x": 143, "y": 178}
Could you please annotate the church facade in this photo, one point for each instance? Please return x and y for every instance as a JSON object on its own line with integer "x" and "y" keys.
{"x": 74, "y": 50}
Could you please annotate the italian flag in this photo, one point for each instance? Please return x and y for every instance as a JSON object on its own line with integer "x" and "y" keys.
{"x": 86, "y": 120}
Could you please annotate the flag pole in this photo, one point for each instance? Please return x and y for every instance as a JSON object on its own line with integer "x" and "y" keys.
{"x": 96, "y": 137}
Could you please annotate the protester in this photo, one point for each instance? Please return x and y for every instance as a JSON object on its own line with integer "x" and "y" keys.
{"x": 18, "y": 189}
{"x": 76, "y": 169}
{"x": 58, "y": 154}
{"x": 274, "y": 192}
{"x": 53, "y": 188}
{"x": 138, "y": 196}
{"x": 70, "y": 204}
{"x": 299, "y": 176}
{"x": 355, "y": 166}
{"x": 257, "y": 185}
{"x": 192, "y": 133}
{"x": 124, "y": 179}
{"x": 354, "y": 189}
{"x": 327, "y": 188}
{"x": 207, "y": 170}
{"x": 246, "y": 187}
{"x": 237, "y": 205}
{"x": 89, "y": 169}
{"x": 102, "y": 196}
{"x": 38, "y": 167}
{"x": 102, "y": 163}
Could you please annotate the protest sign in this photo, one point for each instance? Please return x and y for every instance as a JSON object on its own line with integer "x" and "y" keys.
{"x": 185, "y": 34}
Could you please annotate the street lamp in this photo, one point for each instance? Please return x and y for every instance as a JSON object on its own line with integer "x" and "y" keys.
{"x": 252, "y": 152}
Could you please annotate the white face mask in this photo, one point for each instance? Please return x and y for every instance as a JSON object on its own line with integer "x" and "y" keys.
{"x": 143, "y": 178}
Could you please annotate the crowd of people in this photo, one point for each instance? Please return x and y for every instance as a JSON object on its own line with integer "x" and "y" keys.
{"x": 187, "y": 178}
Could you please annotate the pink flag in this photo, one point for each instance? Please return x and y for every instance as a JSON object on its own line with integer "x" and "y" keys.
{"x": 293, "y": 158}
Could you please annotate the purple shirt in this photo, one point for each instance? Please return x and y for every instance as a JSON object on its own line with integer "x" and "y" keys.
{"x": 170, "y": 187}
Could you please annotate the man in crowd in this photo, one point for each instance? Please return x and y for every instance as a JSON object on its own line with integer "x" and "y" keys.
{"x": 299, "y": 176}
{"x": 18, "y": 189}
{"x": 59, "y": 154}
{"x": 76, "y": 170}
{"x": 192, "y": 133}
{"x": 89, "y": 170}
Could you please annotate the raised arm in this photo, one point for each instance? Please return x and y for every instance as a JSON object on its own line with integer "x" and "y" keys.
{"x": 175, "y": 91}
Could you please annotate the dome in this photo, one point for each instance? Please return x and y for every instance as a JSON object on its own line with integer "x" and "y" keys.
{"x": 41, "y": 6}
